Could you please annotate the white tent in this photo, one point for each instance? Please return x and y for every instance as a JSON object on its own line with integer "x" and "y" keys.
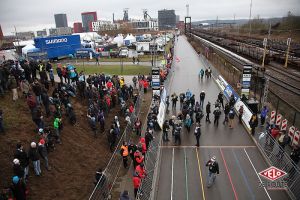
{"x": 26, "y": 48}
{"x": 119, "y": 40}
{"x": 129, "y": 39}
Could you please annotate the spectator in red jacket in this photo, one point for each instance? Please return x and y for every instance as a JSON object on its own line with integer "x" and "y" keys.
{"x": 275, "y": 132}
{"x": 144, "y": 147}
{"x": 146, "y": 85}
{"x": 138, "y": 158}
{"x": 136, "y": 183}
{"x": 140, "y": 170}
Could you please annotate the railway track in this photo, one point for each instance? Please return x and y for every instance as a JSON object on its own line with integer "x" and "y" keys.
{"x": 282, "y": 82}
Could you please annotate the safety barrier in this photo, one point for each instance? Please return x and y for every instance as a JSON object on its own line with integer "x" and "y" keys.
{"x": 104, "y": 186}
{"x": 277, "y": 157}
{"x": 152, "y": 159}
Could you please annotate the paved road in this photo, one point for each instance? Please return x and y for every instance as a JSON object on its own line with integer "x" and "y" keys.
{"x": 183, "y": 173}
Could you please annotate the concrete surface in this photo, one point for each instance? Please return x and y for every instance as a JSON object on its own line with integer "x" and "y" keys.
{"x": 183, "y": 175}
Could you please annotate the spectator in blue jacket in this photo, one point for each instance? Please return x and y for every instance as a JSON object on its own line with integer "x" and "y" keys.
{"x": 263, "y": 115}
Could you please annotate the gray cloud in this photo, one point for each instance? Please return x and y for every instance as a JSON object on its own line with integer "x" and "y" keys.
{"x": 34, "y": 15}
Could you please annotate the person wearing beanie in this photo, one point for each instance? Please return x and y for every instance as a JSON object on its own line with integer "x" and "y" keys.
{"x": 18, "y": 188}
{"x": 35, "y": 158}
{"x": 17, "y": 169}
{"x": 125, "y": 195}
{"x": 213, "y": 169}
{"x": 43, "y": 152}
{"x": 22, "y": 156}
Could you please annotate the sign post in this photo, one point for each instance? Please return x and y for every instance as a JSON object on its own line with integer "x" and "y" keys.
{"x": 246, "y": 80}
{"x": 155, "y": 81}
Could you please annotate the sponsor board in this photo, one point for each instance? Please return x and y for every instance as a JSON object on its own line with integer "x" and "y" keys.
{"x": 247, "y": 114}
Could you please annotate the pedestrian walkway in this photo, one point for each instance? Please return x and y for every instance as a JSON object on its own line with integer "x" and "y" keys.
{"x": 182, "y": 173}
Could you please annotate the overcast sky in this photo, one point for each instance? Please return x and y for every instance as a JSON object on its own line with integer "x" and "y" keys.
{"x": 38, "y": 14}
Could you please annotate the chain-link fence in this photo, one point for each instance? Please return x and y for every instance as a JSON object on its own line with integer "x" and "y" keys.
{"x": 147, "y": 189}
{"x": 105, "y": 184}
{"x": 277, "y": 157}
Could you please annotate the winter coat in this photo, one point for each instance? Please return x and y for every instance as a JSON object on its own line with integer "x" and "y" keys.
{"x": 22, "y": 156}
{"x": 19, "y": 190}
{"x": 34, "y": 154}
{"x": 18, "y": 170}
{"x": 136, "y": 182}
{"x": 140, "y": 171}
{"x": 42, "y": 150}
{"x": 197, "y": 131}
{"x": 213, "y": 167}
{"x": 208, "y": 108}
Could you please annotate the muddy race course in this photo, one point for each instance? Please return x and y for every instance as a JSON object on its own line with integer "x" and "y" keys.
{"x": 73, "y": 163}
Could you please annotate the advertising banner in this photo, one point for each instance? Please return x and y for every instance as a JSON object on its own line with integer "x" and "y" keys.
{"x": 228, "y": 91}
{"x": 246, "y": 80}
{"x": 246, "y": 115}
{"x": 161, "y": 114}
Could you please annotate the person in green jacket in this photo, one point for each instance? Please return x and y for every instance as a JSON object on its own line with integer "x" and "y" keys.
{"x": 57, "y": 127}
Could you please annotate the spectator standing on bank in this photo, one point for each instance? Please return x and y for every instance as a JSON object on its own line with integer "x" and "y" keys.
{"x": 51, "y": 75}
{"x": 221, "y": 99}
{"x": 13, "y": 86}
{"x": 35, "y": 158}
{"x": 263, "y": 115}
{"x": 18, "y": 188}
{"x": 17, "y": 168}
{"x": 22, "y": 156}
{"x": 43, "y": 152}
{"x": 57, "y": 124}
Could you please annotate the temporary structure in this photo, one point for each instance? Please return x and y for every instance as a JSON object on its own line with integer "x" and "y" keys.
{"x": 27, "y": 48}
{"x": 119, "y": 40}
{"x": 129, "y": 39}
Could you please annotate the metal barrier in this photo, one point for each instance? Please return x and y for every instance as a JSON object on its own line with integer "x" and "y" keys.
{"x": 153, "y": 155}
{"x": 104, "y": 186}
{"x": 277, "y": 157}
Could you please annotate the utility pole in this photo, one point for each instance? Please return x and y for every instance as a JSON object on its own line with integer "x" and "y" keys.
{"x": 265, "y": 48}
{"x": 287, "y": 51}
{"x": 266, "y": 90}
{"x": 250, "y": 18}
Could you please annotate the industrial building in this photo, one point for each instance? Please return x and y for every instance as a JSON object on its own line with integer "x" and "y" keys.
{"x": 41, "y": 33}
{"x": 28, "y": 35}
{"x": 77, "y": 27}
{"x": 166, "y": 19}
{"x": 87, "y": 19}
{"x": 144, "y": 25}
{"x": 61, "y": 20}
{"x": 102, "y": 25}
{"x": 60, "y": 31}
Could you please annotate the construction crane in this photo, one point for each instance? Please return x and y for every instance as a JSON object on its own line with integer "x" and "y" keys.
{"x": 146, "y": 15}
{"x": 125, "y": 17}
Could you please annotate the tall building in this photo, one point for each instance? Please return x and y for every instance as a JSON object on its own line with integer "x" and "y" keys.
{"x": 77, "y": 27}
{"x": 1, "y": 33}
{"x": 166, "y": 19}
{"x": 87, "y": 19}
{"x": 61, "y": 20}
{"x": 177, "y": 18}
